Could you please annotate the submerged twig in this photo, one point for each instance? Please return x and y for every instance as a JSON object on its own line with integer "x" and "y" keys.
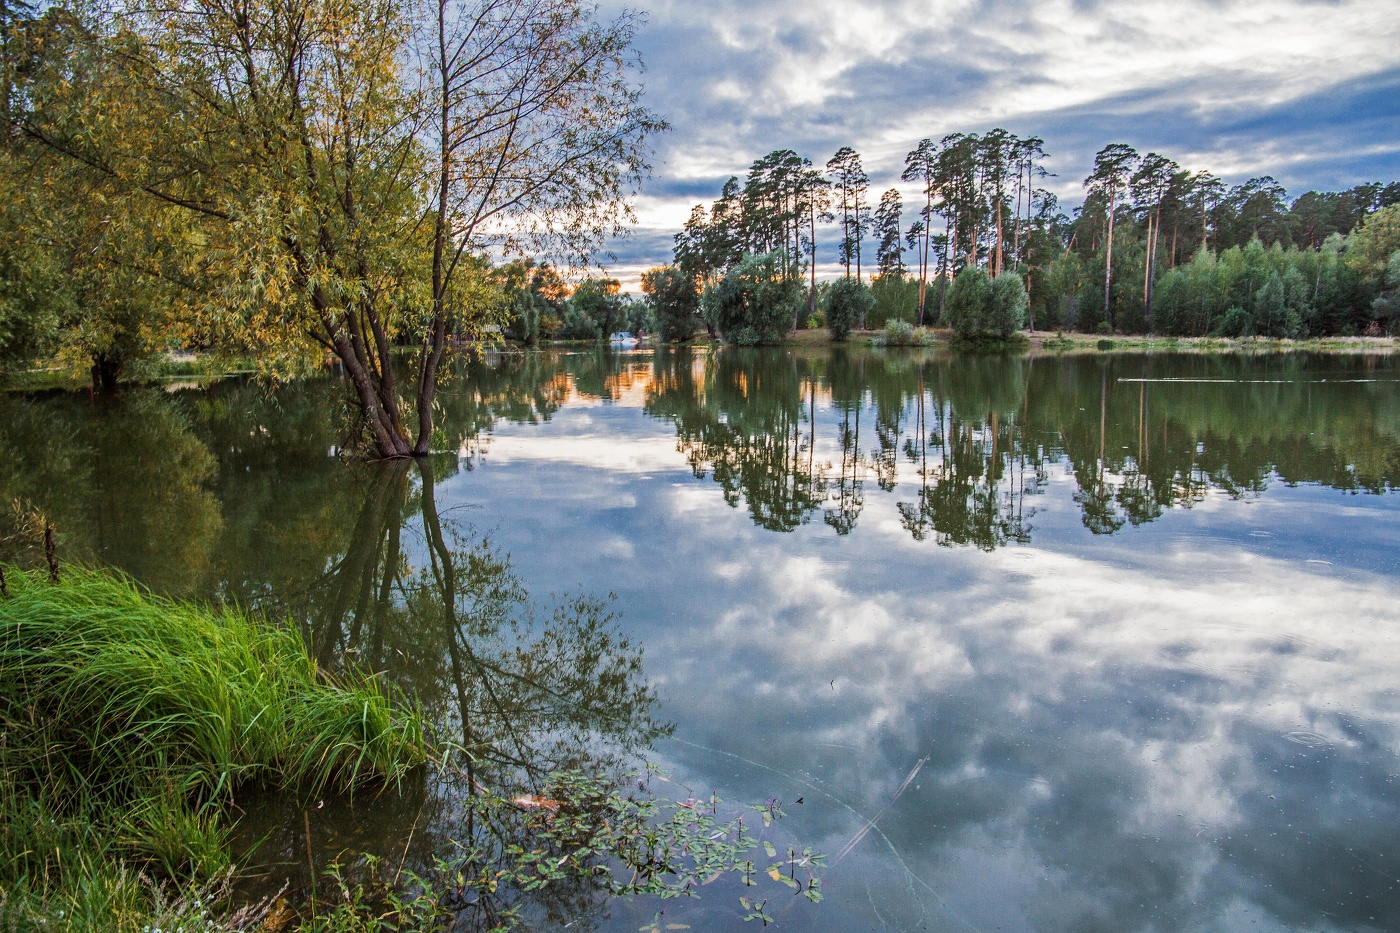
{"x": 865, "y": 830}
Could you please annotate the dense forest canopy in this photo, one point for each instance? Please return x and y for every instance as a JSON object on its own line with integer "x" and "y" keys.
{"x": 1153, "y": 248}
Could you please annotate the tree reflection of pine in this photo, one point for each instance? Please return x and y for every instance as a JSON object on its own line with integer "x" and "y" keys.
{"x": 1141, "y": 434}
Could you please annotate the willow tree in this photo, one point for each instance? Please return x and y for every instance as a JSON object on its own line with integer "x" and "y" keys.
{"x": 539, "y": 138}
{"x": 347, "y": 155}
{"x": 98, "y": 276}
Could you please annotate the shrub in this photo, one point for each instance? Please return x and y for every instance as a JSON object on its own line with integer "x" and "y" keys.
{"x": 848, "y": 303}
{"x": 902, "y": 334}
{"x": 896, "y": 297}
{"x": 1236, "y": 322}
{"x": 1007, "y": 314}
{"x": 969, "y": 301}
{"x": 754, "y": 304}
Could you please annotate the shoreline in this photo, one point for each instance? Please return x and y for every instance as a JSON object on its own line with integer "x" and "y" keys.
{"x": 1049, "y": 342}
{"x": 1038, "y": 343}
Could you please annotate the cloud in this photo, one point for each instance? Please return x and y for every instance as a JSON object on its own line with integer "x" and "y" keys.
{"x": 1306, "y": 91}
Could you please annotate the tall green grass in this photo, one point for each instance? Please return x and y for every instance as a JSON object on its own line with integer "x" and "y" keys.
{"x": 127, "y": 722}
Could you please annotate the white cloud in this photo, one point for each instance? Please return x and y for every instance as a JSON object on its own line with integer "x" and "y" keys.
{"x": 1212, "y": 83}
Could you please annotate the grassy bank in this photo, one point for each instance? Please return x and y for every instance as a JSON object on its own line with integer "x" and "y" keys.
{"x": 1094, "y": 343}
{"x": 128, "y": 723}
{"x": 192, "y": 367}
{"x": 1044, "y": 341}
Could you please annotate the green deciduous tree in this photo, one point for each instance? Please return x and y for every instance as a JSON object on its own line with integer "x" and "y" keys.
{"x": 675, "y": 302}
{"x": 847, "y": 304}
{"x": 754, "y": 304}
{"x": 1009, "y": 305}
{"x": 969, "y": 301}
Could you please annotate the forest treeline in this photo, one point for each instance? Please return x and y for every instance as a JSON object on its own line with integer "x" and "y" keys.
{"x": 1153, "y": 248}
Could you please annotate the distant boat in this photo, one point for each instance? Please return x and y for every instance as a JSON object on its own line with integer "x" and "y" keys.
{"x": 623, "y": 339}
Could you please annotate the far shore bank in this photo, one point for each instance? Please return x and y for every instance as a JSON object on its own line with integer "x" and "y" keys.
{"x": 1055, "y": 342}
{"x": 190, "y": 369}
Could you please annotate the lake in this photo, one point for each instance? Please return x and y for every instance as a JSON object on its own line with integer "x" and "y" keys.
{"x": 1020, "y": 643}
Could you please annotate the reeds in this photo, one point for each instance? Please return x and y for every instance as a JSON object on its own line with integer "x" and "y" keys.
{"x": 127, "y": 721}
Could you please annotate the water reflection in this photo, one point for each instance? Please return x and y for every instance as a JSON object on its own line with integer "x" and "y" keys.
{"x": 125, "y": 484}
{"x": 421, "y": 598}
{"x": 1152, "y": 672}
{"x": 782, "y": 433}
{"x": 361, "y": 557}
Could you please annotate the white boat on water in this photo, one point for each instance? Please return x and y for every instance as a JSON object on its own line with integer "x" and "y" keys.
{"x": 623, "y": 340}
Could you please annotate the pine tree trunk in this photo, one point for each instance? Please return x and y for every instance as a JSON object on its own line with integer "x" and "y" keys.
{"x": 1108, "y": 264}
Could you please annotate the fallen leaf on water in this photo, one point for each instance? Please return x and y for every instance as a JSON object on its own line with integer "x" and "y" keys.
{"x": 775, "y": 874}
{"x": 531, "y": 802}
{"x": 713, "y": 878}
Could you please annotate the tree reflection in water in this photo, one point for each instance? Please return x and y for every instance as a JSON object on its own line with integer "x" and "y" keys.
{"x": 980, "y": 434}
{"x": 520, "y": 697}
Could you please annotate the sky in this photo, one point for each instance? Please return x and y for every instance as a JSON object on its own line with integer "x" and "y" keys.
{"x": 1307, "y": 91}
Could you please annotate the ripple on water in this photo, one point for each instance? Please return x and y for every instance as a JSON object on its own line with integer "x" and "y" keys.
{"x": 1308, "y": 739}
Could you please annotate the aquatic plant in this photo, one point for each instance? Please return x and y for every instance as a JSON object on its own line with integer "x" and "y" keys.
{"x": 128, "y": 721}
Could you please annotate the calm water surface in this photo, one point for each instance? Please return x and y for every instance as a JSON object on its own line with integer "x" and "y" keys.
{"x": 1124, "y": 629}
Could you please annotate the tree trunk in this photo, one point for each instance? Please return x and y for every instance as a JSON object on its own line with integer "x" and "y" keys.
{"x": 1030, "y": 308}
{"x": 923, "y": 265}
{"x": 812, "y": 270}
{"x": 859, "y": 236}
{"x": 106, "y": 369}
{"x": 1108, "y": 264}
{"x": 1147, "y": 266}
{"x": 1152, "y": 262}
{"x": 999, "y": 237}
{"x": 944, "y": 271}
{"x": 389, "y": 441}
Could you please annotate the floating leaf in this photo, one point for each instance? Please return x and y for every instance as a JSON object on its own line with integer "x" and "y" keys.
{"x": 775, "y": 874}
{"x": 531, "y": 802}
{"x": 768, "y": 847}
